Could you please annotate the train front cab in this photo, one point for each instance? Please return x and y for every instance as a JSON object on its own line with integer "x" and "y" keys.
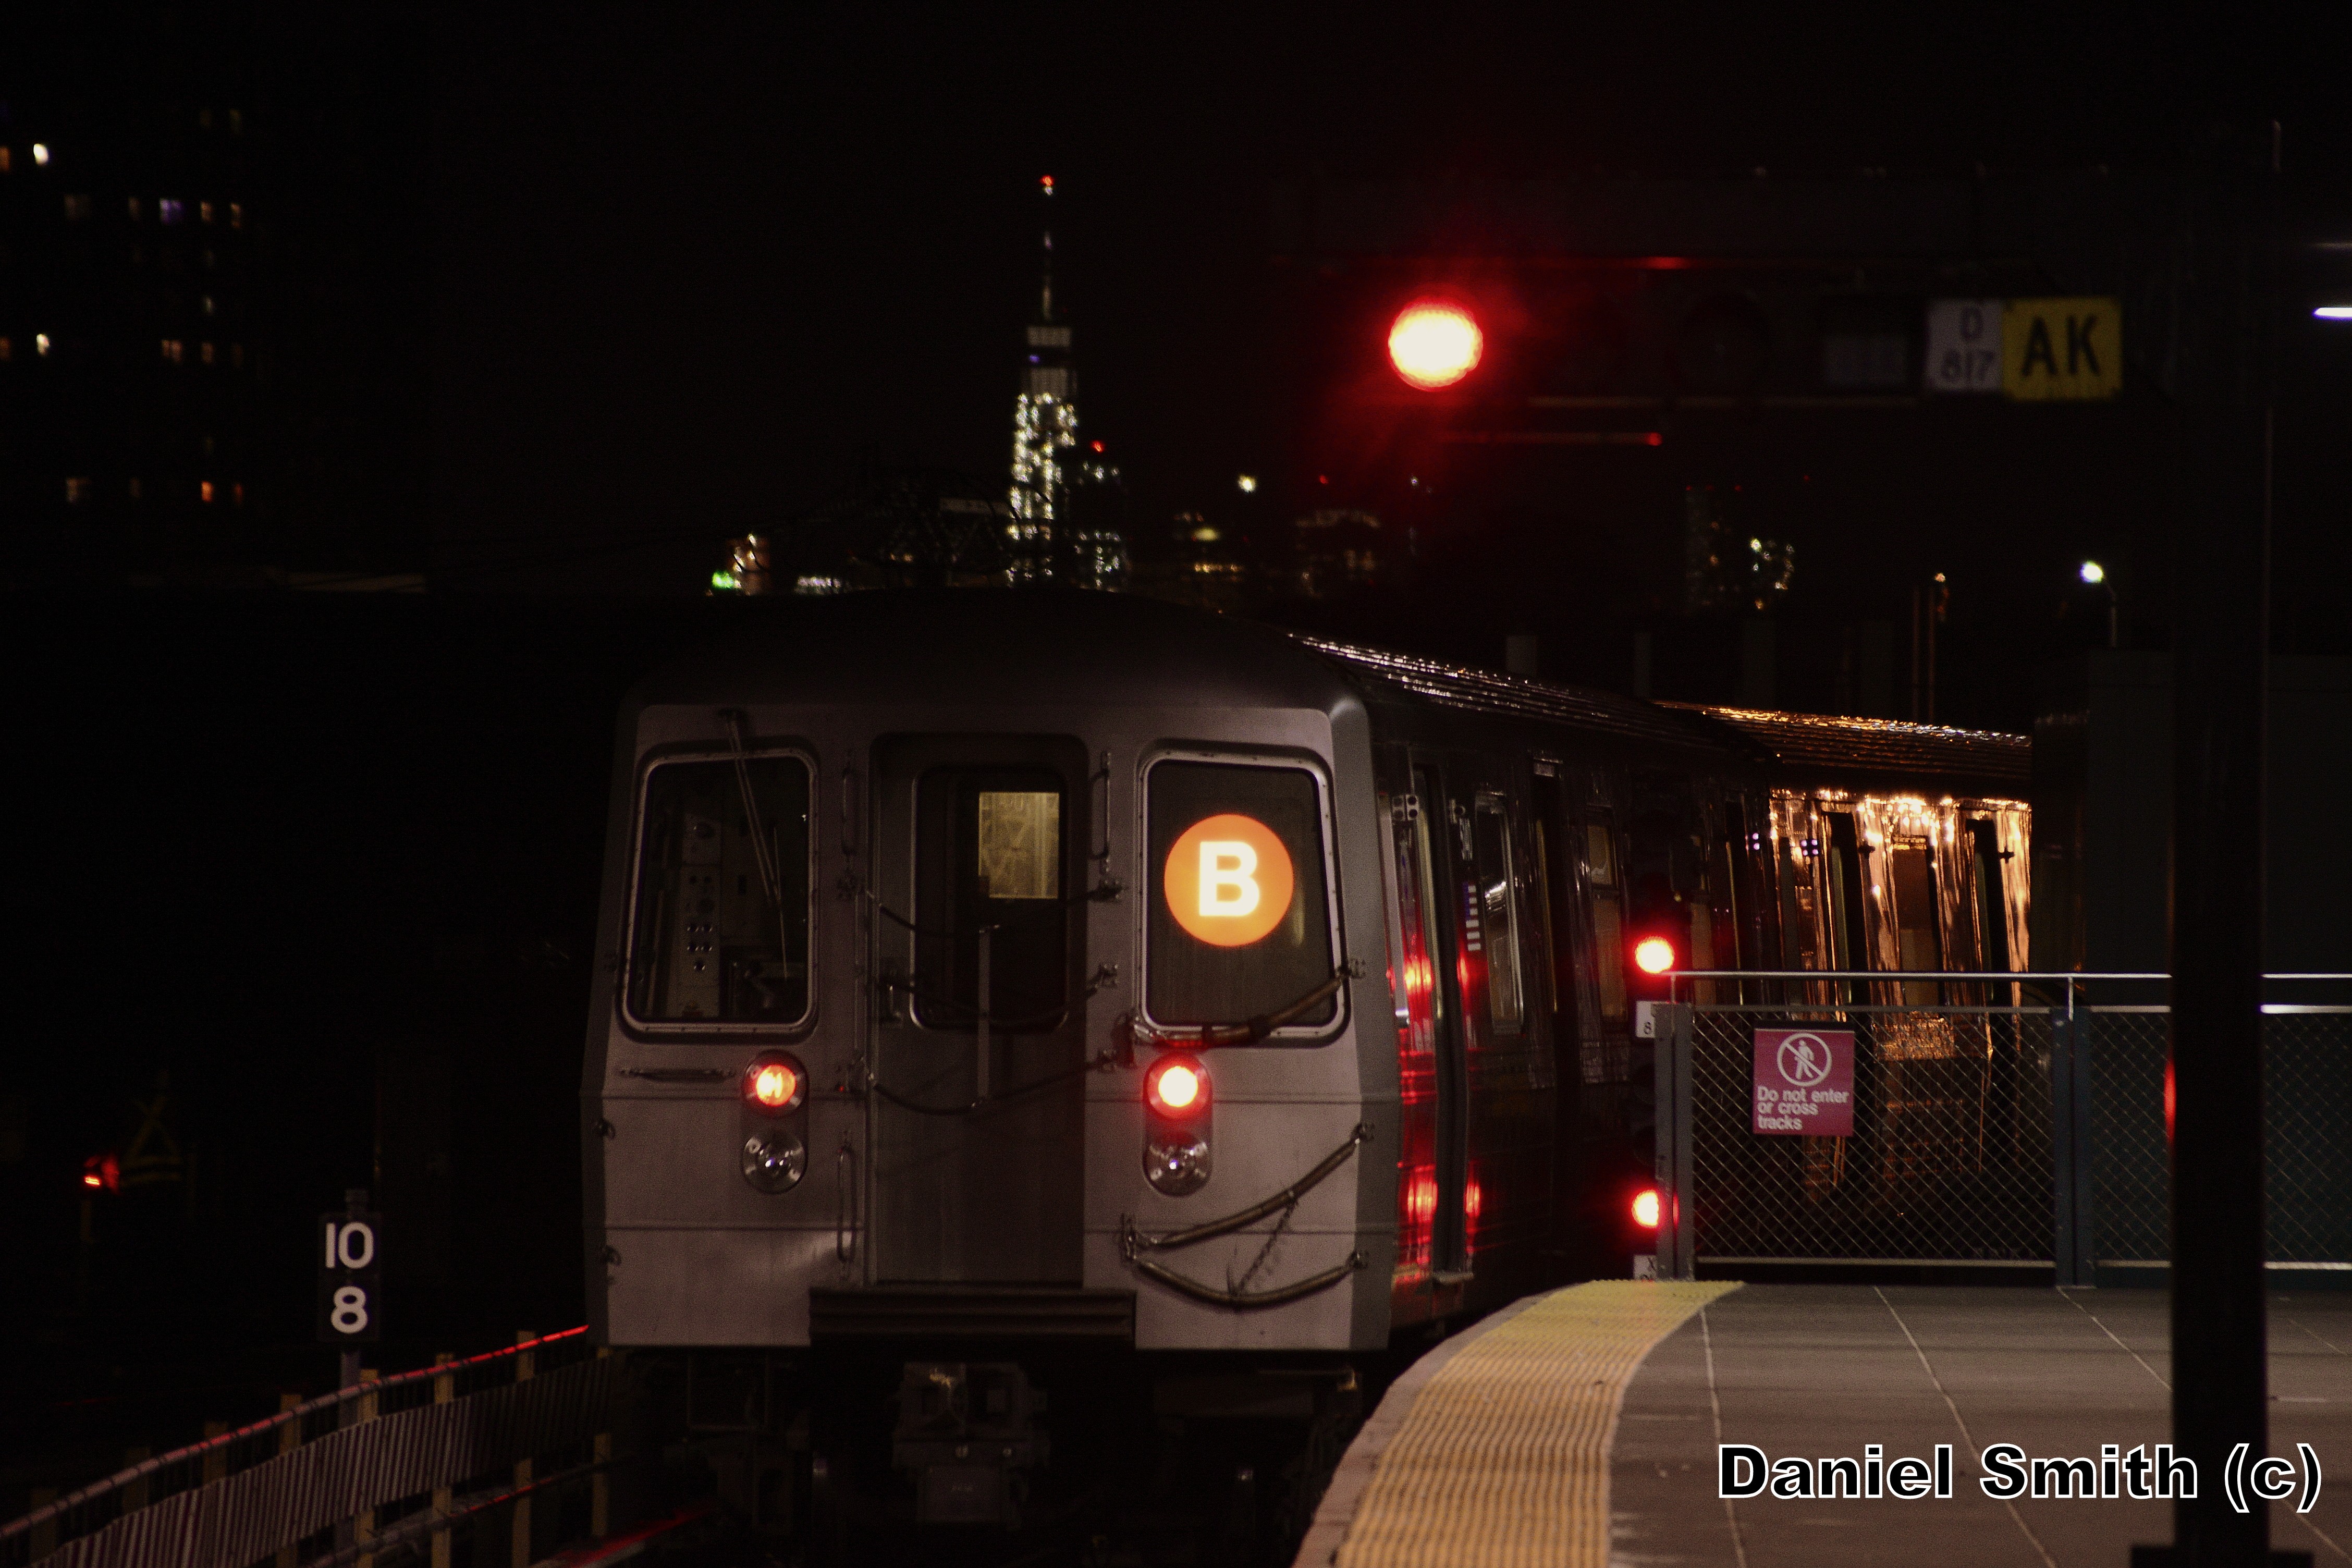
{"x": 1006, "y": 1159}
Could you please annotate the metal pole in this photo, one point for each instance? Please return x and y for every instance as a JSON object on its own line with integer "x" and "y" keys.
{"x": 2081, "y": 1033}
{"x": 1679, "y": 1111}
{"x": 985, "y": 967}
{"x": 355, "y": 1203}
{"x": 2063, "y": 1151}
{"x": 2220, "y": 1350}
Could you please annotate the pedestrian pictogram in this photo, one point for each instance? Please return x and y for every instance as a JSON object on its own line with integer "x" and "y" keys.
{"x": 1804, "y": 1082}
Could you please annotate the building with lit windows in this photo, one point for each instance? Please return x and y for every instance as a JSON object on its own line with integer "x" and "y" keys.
{"x": 1054, "y": 535}
{"x": 211, "y": 350}
{"x": 125, "y": 350}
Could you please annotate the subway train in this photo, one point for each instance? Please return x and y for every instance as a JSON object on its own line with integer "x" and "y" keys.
{"x": 995, "y": 984}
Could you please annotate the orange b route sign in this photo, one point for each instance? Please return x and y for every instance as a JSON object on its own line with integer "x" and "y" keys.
{"x": 1228, "y": 880}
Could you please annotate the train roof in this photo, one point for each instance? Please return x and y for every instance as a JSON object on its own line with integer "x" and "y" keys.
{"x": 1419, "y": 679}
{"x": 1830, "y": 749}
{"x": 994, "y": 647}
{"x": 1060, "y": 646}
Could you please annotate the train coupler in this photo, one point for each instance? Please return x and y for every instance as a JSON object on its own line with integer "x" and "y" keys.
{"x": 967, "y": 1430}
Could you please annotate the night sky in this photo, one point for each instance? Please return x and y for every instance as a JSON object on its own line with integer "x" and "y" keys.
{"x": 692, "y": 269}
{"x": 580, "y": 294}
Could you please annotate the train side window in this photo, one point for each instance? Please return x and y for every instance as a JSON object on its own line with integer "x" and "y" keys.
{"x": 1608, "y": 920}
{"x": 1841, "y": 878}
{"x": 1992, "y": 907}
{"x": 1918, "y": 931}
{"x": 719, "y": 931}
{"x": 1498, "y": 903}
{"x": 1425, "y": 850}
{"x": 1417, "y": 979}
{"x": 1240, "y": 919}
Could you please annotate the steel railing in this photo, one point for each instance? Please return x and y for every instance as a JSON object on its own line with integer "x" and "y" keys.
{"x": 371, "y": 1471}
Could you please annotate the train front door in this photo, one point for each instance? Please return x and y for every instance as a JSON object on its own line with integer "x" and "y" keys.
{"x": 979, "y": 935}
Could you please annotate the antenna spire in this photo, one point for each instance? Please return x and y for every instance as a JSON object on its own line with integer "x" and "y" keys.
{"x": 1045, "y": 297}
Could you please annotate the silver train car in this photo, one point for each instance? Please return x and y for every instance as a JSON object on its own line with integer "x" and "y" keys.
{"x": 989, "y": 975}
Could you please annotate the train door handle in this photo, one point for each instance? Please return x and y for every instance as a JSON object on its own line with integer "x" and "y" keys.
{"x": 845, "y": 1209}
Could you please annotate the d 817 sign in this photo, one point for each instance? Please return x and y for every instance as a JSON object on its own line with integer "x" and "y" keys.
{"x": 349, "y": 1266}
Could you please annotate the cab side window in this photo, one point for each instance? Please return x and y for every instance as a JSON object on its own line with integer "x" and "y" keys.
{"x": 1498, "y": 900}
{"x": 721, "y": 928}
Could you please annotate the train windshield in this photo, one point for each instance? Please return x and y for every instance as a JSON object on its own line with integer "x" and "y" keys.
{"x": 721, "y": 926}
{"x": 1240, "y": 922}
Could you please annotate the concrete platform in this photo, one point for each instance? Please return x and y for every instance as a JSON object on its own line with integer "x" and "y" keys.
{"x": 1820, "y": 1371}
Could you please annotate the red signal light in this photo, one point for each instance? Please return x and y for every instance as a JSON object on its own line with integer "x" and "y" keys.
{"x": 1646, "y": 1208}
{"x": 1434, "y": 343}
{"x": 102, "y": 1173}
{"x": 1654, "y": 955}
{"x": 1177, "y": 1086}
{"x": 774, "y": 1083}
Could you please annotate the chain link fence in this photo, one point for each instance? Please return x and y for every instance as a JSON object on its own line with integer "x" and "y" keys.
{"x": 2307, "y": 1146}
{"x": 1998, "y": 1124}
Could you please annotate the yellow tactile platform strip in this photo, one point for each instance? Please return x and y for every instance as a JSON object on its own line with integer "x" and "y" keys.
{"x": 1501, "y": 1460}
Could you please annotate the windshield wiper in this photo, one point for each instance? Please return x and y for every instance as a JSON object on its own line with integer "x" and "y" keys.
{"x": 1258, "y": 1028}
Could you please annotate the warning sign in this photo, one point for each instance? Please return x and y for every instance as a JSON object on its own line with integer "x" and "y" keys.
{"x": 1804, "y": 1082}
{"x": 2054, "y": 350}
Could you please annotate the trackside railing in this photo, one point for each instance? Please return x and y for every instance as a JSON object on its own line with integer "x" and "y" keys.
{"x": 1997, "y": 1121}
{"x": 368, "y": 1475}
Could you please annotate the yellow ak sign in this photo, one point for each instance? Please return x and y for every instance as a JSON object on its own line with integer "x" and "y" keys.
{"x": 2052, "y": 349}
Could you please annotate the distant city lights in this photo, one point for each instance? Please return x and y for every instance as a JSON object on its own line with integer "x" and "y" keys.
{"x": 2333, "y": 312}
{"x": 2093, "y": 573}
{"x": 40, "y": 152}
{"x": 1248, "y": 483}
{"x": 1047, "y": 182}
{"x": 724, "y": 581}
{"x": 40, "y": 343}
{"x": 1434, "y": 344}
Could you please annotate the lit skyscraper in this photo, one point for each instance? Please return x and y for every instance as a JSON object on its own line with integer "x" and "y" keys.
{"x": 1045, "y": 425}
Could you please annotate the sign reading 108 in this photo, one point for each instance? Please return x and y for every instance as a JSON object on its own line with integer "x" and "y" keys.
{"x": 348, "y": 1270}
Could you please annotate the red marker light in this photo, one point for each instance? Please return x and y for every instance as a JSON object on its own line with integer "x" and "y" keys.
{"x": 1646, "y": 1208}
{"x": 1654, "y": 955}
{"x": 774, "y": 1083}
{"x": 102, "y": 1173}
{"x": 1177, "y": 1086}
{"x": 1434, "y": 343}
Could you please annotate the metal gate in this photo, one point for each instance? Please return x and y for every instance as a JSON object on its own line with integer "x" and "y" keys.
{"x": 1997, "y": 1121}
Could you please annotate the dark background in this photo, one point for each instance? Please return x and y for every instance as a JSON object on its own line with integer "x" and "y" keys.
{"x": 555, "y": 304}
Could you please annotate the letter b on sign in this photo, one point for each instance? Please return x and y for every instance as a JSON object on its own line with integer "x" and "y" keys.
{"x": 1228, "y": 887}
{"x": 1228, "y": 880}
